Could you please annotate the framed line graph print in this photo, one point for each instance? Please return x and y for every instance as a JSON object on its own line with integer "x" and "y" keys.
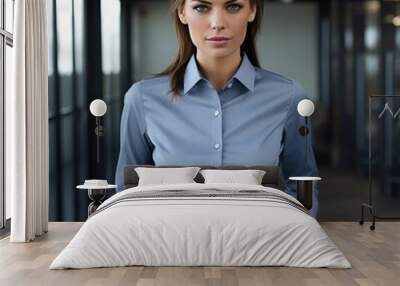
{"x": 384, "y": 158}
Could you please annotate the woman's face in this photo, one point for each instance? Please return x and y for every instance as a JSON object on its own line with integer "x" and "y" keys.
{"x": 217, "y": 27}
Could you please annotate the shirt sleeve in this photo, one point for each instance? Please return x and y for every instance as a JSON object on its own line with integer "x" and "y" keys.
{"x": 292, "y": 158}
{"x": 135, "y": 146}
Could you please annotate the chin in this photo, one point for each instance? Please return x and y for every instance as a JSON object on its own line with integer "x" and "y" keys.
{"x": 219, "y": 52}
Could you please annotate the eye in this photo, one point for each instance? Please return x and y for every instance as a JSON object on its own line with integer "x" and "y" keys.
{"x": 234, "y": 8}
{"x": 200, "y": 8}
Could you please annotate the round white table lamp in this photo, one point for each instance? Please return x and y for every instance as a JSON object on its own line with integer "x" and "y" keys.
{"x": 304, "y": 184}
{"x": 98, "y": 108}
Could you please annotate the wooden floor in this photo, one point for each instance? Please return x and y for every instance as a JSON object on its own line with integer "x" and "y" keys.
{"x": 375, "y": 257}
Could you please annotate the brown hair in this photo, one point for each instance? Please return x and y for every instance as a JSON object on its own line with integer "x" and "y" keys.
{"x": 186, "y": 47}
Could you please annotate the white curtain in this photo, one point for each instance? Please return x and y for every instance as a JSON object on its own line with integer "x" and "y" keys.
{"x": 27, "y": 123}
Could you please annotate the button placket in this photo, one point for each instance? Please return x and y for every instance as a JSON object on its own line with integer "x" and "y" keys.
{"x": 216, "y": 123}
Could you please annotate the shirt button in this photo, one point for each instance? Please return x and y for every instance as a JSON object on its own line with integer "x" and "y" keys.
{"x": 216, "y": 146}
{"x": 216, "y": 113}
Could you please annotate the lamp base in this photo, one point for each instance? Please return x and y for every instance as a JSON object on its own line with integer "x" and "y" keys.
{"x": 97, "y": 196}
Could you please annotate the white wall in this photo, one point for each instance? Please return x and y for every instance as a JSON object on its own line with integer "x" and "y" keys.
{"x": 287, "y": 43}
{"x": 154, "y": 40}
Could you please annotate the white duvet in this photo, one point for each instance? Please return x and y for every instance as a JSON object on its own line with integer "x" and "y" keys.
{"x": 200, "y": 231}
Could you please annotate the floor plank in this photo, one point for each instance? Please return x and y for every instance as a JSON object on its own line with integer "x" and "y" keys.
{"x": 375, "y": 257}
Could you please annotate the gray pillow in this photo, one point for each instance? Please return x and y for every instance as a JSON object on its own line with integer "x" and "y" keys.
{"x": 161, "y": 176}
{"x": 249, "y": 177}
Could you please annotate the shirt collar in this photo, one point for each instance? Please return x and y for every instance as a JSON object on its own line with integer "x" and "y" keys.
{"x": 192, "y": 75}
{"x": 245, "y": 74}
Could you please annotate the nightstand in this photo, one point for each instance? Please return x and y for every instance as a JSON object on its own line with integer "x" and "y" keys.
{"x": 305, "y": 190}
{"x": 96, "y": 194}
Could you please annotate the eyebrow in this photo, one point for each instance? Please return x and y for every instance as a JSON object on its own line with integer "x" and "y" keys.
{"x": 207, "y": 2}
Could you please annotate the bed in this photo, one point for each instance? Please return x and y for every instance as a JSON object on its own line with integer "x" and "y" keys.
{"x": 198, "y": 224}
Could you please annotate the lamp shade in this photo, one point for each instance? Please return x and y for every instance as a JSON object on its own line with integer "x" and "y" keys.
{"x": 305, "y": 107}
{"x": 98, "y": 107}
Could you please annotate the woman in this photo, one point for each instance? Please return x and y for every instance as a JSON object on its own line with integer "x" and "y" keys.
{"x": 226, "y": 110}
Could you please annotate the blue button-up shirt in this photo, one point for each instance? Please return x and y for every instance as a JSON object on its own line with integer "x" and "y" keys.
{"x": 253, "y": 120}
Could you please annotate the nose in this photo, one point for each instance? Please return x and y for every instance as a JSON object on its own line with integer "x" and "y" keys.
{"x": 217, "y": 21}
{"x": 218, "y": 28}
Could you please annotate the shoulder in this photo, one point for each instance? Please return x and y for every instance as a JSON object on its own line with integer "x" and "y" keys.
{"x": 287, "y": 90}
{"x": 149, "y": 87}
{"x": 289, "y": 86}
{"x": 268, "y": 76}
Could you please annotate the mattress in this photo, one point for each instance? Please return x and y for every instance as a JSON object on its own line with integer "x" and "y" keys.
{"x": 201, "y": 225}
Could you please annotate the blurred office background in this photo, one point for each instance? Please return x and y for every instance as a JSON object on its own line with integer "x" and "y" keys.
{"x": 341, "y": 51}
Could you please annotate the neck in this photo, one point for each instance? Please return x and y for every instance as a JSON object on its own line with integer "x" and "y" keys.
{"x": 218, "y": 70}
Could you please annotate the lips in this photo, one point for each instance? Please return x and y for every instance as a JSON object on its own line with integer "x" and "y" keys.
{"x": 218, "y": 39}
